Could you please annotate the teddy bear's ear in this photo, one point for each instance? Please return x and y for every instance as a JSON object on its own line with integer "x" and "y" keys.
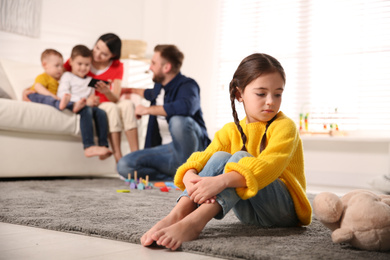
{"x": 341, "y": 235}
{"x": 327, "y": 207}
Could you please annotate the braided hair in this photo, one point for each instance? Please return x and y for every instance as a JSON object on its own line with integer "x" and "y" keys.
{"x": 250, "y": 69}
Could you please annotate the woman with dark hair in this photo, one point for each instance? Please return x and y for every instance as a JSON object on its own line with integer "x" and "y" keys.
{"x": 107, "y": 67}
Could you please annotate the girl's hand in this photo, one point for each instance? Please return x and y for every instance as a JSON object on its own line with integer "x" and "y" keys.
{"x": 189, "y": 178}
{"x": 103, "y": 87}
{"x": 205, "y": 189}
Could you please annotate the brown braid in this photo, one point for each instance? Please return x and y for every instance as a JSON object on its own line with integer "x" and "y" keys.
{"x": 233, "y": 90}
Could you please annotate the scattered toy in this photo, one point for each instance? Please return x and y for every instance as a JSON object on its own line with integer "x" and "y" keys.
{"x": 159, "y": 184}
{"x": 165, "y": 189}
{"x": 123, "y": 191}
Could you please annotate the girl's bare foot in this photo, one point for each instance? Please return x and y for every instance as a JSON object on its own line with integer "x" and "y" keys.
{"x": 79, "y": 105}
{"x": 64, "y": 101}
{"x": 184, "y": 207}
{"x": 187, "y": 229}
{"x": 147, "y": 240}
{"x": 97, "y": 151}
{"x": 173, "y": 236}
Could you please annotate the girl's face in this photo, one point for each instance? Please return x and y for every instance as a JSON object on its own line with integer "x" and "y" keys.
{"x": 262, "y": 97}
{"x": 101, "y": 53}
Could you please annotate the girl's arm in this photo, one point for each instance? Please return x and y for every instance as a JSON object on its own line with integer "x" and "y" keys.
{"x": 205, "y": 189}
{"x": 198, "y": 160}
{"x": 189, "y": 178}
{"x": 232, "y": 180}
{"x": 262, "y": 170}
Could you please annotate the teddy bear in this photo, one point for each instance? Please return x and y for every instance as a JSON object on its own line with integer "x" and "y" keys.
{"x": 360, "y": 218}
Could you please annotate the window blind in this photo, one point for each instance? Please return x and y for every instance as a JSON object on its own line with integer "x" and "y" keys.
{"x": 336, "y": 55}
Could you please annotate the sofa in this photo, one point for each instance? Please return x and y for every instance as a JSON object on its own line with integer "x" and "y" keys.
{"x": 37, "y": 140}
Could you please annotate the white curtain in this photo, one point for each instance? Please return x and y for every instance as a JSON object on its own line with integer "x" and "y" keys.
{"x": 21, "y": 16}
{"x": 336, "y": 55}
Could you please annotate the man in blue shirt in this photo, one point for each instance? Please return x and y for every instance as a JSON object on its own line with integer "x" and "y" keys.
{"x": 176, "y": 127}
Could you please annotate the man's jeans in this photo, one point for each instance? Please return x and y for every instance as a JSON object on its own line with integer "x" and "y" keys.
{"x": 272, "y": 206}
{"x": 161, "y": 162}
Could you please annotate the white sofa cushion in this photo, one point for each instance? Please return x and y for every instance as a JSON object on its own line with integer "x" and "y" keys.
{"x": 16, "y": 76}
{"x": 4, "y": 94}
{"x": 38, "y": 118}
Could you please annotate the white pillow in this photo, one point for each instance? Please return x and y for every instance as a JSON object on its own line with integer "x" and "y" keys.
{"x": 20, "y": 76}
{"x": 4, "y": 94}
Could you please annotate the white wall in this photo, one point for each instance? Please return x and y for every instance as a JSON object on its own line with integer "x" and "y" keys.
{"x": 348, "y": 161}
{"x": 192, "y": 26}
{"x": 67, "y": 23}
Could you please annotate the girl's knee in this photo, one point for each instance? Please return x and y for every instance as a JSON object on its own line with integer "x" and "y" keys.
{"x": 220, "y": 156}
{"x": 239, "y": 155}
{"x": 216, "y": 164}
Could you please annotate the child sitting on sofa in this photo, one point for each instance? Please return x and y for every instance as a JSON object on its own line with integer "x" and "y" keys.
{"x": 45, "y": 87}
{"x": 75, "y": 85}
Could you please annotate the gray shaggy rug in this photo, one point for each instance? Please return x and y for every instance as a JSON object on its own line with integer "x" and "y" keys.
{"x": 92, "y": 206}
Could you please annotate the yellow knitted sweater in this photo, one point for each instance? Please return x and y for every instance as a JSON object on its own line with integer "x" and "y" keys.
{"x": 282, "y": 158}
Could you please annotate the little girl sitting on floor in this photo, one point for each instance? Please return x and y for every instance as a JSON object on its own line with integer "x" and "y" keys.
{"x": 253, "y": 166}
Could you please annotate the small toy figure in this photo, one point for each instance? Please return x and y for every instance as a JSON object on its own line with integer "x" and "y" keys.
{"x": 164, "y": 189}
{"x": 140, "y": 184}
{"x": 133, "y": 185}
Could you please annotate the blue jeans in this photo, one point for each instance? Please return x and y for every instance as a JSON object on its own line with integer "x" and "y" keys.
{"x": 161, "y": 162}
{"x": 272, "y": 206}
{"x": 87, "y": 116}
{"x": 48, "y": 100}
